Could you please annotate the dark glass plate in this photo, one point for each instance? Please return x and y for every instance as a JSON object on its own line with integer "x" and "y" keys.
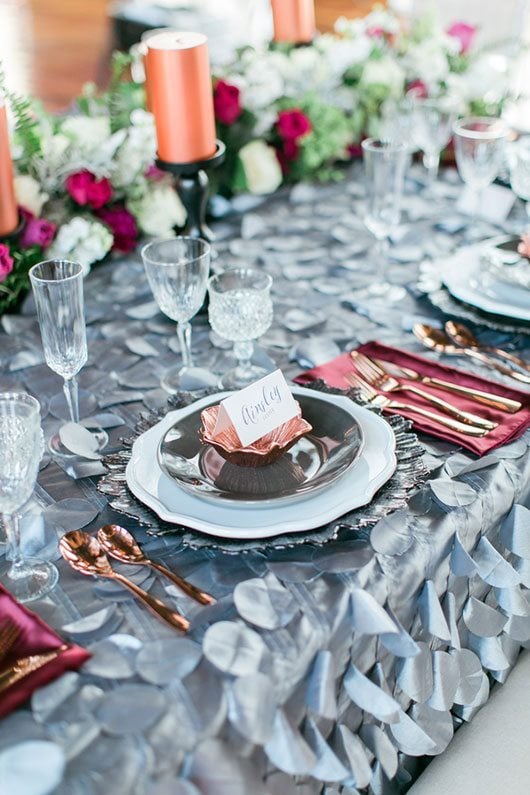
{"x": 312, "y": 463}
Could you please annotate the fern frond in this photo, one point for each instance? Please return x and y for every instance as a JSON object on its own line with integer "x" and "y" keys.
{"x": 117, "y": 104}
{"x": 26, "y": 125}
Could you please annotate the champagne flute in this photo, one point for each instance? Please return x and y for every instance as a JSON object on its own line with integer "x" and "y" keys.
{"x": 240, "y": 310}
{"x": 479, "y": 152}
{"x": 431, "y": 127}
{"x": 518, "y": 156}
{"x": 384, "y": 165}
{"x": 58, "y": 290}
{"x": 21, "y": 450}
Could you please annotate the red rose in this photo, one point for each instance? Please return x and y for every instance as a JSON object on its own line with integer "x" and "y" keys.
{"x": 292, "y": 124}
{"x": 418, "y": 89}
{"x": 6, "y": 262}
{"x": 85, "y": 188}
{"x": 123, "y": 227}
{"x": 226, "y": 102}
{"x": 36, "y": 231}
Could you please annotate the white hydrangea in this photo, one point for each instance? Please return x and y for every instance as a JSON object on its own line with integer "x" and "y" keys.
{"x": 262, "y": 83}
{"x": 341, "y": 54}
{"x": 382, "y": 19}
{"x": 137, "y": 151}
{"x": 29, "y": 194}
{"x": 428, "y": 61}
{"x": 81, "y": 240}
{"x": 158, "y": 210}
{"x": 384, "y": 71}
{"x": 87, "y": 133}
{"x": 262, "y": 170}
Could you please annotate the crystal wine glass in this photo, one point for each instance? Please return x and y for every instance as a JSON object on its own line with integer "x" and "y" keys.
{"x": 21, "y": 450}
{"x": 518, "y": 156}
{"x": 177, "y": 271}
{"x": 240, "y": 310}
{"x": 58, "y": 290}
{"x": 384, "y": 165}
{"x": 479, "y": 152}
{"x": 431, "y": 128}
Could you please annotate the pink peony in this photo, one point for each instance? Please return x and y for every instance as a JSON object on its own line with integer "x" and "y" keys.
{"x": 122, "y": 225}
{"x": 418, "y": 89}
{"x": 6, "y": 262}
{"x": 226, "y": 103}
{"x": 524, "y": 246}
{"x": 293, "y": 124}
{"x": 154, "y": 173}
{"x": 86, "y": 189}
{"x": 464, "y": 33}
{"x": 375, "y": 32}
{"x": 36, "y": 231}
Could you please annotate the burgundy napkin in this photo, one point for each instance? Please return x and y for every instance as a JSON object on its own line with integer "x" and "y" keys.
{"x": 510, "y": 426}
{"x": 35, "y": 637}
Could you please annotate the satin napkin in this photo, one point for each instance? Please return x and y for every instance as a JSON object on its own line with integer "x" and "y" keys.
{"x": 510, "y": 426}
{"x": 35, "y": 637}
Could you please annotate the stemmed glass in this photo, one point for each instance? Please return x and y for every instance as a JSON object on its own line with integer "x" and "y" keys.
{"x": 431, "y": 127}
{"x": 479, "y": 152}
{"x": 518, "y": 156}
{"x": 21, "y": 449}
{"x": 58, "y": 290}
{"x": 240, "y": 310}
{"x": 384, "y": 165}
{"x": 177, "y": 271}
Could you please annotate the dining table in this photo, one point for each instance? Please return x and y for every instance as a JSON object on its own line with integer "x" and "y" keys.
{"x": 337, "y": 658}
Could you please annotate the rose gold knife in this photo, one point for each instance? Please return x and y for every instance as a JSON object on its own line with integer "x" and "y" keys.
{"x": 27, "y": 665}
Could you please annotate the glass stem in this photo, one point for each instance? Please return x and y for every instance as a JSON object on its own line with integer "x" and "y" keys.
{"x": 72, "y": 398}
{"x": 431, "y": 161}
{"x": 18, "y": 567}
{"x": 243, "y": 352}
{"x": 184, "y": 337}
{"x": 382, "y": 247}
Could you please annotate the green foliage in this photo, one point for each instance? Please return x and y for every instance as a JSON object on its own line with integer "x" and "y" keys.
{"x": 26, "y": 123}
{"x": 15, "y": 286}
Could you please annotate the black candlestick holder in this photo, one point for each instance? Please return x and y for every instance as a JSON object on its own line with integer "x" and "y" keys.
{"x": 192, "y": 187}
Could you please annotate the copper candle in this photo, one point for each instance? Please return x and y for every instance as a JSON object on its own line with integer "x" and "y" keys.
{"x": 8, "y": 204}
{"x": 294, "y": 21}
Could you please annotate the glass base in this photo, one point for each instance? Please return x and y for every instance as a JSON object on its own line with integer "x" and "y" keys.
{"x": 390, "y": 292}
{"x": 39, "y": 578}
{"x": 56, "y": 447}
{"x": 188, "y": 379}
{"x": 239, "y": 377}
{"x": 58, "y": 406}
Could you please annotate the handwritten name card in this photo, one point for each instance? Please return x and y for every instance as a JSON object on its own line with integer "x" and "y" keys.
{"x": 257, "y": 409}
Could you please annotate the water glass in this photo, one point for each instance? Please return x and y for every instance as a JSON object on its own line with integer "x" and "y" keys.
{"x": 21, "y": 451}
{"x": 240, "y": 310}
{"x": 384, "y": 166}
{"x": 518, "y": 156}
{"x": 479, "y": 151}
{"x": 58, "y": 290}
{"x": 431, "y": 128}
{"x": 177, "y": 271}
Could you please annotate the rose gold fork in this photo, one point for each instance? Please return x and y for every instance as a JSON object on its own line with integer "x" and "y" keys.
{"x": 9, "y": 633}
{"x": 384, "y": 382}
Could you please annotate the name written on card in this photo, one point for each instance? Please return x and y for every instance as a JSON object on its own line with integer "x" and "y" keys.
{"x": 257, "y": 409}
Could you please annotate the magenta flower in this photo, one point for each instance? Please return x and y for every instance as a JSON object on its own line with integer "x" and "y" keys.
{"x": 464, "y": 33}
{"x": 418, "y": 89}
{"x": 293, "y": 124}
{"x": 122, "y": 225}
{"x": 86, "y": 189}
{"x": 37, "y": 231}
{"x": 226, "y": 103}
{"x": 6, "y": 262}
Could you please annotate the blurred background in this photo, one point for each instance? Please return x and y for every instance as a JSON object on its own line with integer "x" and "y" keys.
{"x": 49, "y": 48}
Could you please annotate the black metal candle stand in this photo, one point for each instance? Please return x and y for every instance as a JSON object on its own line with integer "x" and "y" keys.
{"x": 192, "y": 187}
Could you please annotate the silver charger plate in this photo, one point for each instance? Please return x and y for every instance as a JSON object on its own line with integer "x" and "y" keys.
{"x": 315, "y": 461}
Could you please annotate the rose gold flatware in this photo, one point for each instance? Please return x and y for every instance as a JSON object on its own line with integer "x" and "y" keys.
{"x": 84, "y": 554}
{"x": 9, "y": 634}
{"x": 27, "y": 665}
{"x": 382, "y": 381}
{"x": 437, "y": 340}
{"x": 464, "y": 337}
{"x": 370, "y": 395}
{"x": 486, "y": 398}
{"x": 121, "y": 545}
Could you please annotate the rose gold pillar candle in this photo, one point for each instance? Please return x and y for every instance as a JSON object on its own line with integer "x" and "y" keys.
{"x": 294, "y": 21}
{"x": 8, "y": 204}
{"x": 181, "y": 96}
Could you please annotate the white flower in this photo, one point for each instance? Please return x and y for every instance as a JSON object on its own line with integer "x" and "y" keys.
{"x": 386, "y": 72}
{"x": 262, "y": 83}
{"x": 402, "y": 7}
{"x": 81, "y": 240}
{"x": 262, "y": 170}
{"x": 29, "y": 195}
{"x": 428, "y": 61}
{"x": 158, "y": 210}
{"x": 486, "y": 78}
{"x": 341, "y": 54}
{"x": 86, "y": 132}
{"x": 137, "y": 151}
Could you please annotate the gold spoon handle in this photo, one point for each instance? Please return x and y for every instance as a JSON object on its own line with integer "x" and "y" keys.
{"x": 157, "y": 607}
{"x": 464, "y": 416}
{"x": 501, "y": 368}
{"x": 449, "y": 422}
{"x": 487, "y": 398}
{"x": 190, "y": 590}
{"x": 510, "y": 357}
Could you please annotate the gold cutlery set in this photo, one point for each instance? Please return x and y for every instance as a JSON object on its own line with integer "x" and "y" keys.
{"x": 22, "y": 666}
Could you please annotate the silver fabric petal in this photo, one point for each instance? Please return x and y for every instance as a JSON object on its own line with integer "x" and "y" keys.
{"x": 481, "y": 619}
{"x": 468, "y": 711}
{"x": 392, "y": 535}
{"x": 431, "y": 613}
{"x": 352, "y": 753}
{"x": 216, "y": 769}
{"x": 438, "y": 725}
{"x": 449, "y": 608}
{"x": 414, "y": 675}
{"x": 492, "y": 567}
{"x": 446, "y": 677}
{"x": 490, "y": 652}
{"x": 264, "y": 602}
{"x": 252, "y": 707}
{"x": 370, "y": 697}
{"x": 462, "y": 564}
{"x": 368, "y": 617}
{"x": 380, "y": 745}
{"x": 515, "y": 531}
{"x": 452, "y": 493}
{"x": 320, "y": 694}
{"x": 471, "y": 674}
{"x": 518, "y": 628}
{"x": 131, "y": 709}
{"x": 287, "y": 749}
{"x": 410, "y": 738}
{"x": 160, "y": 661}
{"x": 401, "y": 644}
{"x": 513, "y": 601}
{"x": 522, "y": 567}
{"x": 328, "y": 766}
{"x": 234, "y": 648}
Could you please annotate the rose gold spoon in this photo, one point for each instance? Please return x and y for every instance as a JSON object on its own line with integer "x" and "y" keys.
{"x": 120, "y": 544}
{"x": 84, "y": 554}
{"x": 464, "y": 337}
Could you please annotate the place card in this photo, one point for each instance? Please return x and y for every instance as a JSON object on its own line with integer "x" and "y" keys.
{"x": 492, "y": 204}
{"x": 257, "y": 409}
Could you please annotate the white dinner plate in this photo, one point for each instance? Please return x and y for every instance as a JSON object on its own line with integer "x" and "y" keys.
{"x": 467, "y": 279}
{"x": 354, "y": 488}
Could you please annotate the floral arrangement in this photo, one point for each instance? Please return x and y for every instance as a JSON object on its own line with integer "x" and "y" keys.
{"x": 86, "y": 183}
